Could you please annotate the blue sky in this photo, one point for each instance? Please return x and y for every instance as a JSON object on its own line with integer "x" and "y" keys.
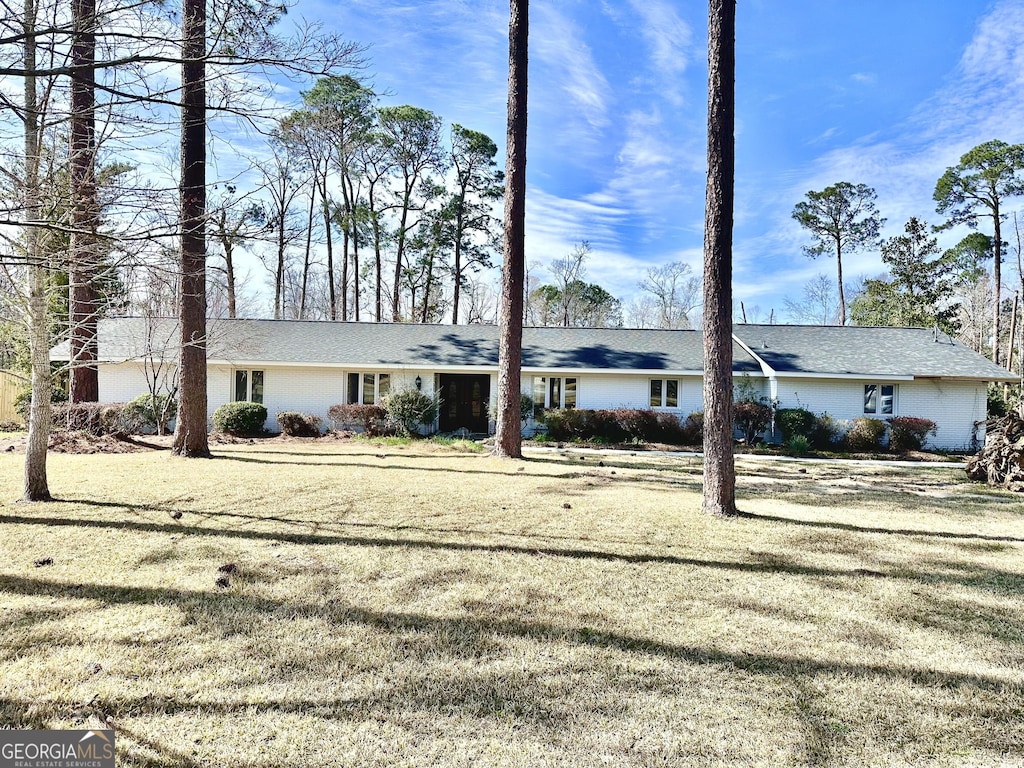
{"x": 883, "y": 93}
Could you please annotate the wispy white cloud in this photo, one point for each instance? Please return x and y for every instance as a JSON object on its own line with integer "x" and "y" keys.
{"x": 558, "y": 46}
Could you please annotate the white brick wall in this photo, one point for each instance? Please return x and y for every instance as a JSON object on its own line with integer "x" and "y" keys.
{"x": 309, "y": 390}
{"x": 600, "y": 391}
{"x": 954, "y": 405}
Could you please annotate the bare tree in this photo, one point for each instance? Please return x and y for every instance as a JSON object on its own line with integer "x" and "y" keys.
{"x": 818, "y": 305}
{"x": 36, "y": 485}
{"x": 677, "y": 292}
{"x": 508, "y": 440}
{"x": 719, "y": 496}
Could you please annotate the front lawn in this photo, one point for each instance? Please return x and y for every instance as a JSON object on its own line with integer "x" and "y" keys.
{"x": 351, "y": 604}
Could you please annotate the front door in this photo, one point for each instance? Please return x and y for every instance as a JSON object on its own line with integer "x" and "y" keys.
{"x": 464, "y": 400}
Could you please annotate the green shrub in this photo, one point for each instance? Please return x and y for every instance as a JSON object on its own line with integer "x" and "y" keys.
{"x": 370, "y": 418}
{"x": 295, "y": 424}
{"x": 147, "y": 412}
{"x": 866, "y": 434}
{"x": 998, "y": 405}
{"x": 751, "y": 418}
{"x": 795, "y": 421}
{"x": 240, "y": 418}
{"x": 565, "y": 423}
{"x": 24, "y": 399}
{"x": 408, "y": 409}
{"x": 798, "y": 445}
{"x": 908, "y": 433}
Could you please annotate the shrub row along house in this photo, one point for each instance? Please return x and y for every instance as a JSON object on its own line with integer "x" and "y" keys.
{"x": 308, "y": 366}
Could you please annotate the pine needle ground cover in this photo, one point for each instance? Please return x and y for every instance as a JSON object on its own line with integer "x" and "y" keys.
{"x": 358, "y": 605}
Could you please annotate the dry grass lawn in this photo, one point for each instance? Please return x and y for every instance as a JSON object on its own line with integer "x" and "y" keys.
{"x": 389, "y": 606}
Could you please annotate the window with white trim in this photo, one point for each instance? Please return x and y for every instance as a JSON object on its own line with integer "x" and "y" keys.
{"x": 553, "y": 392}
{"x": 367, "y": 388}
{"x": 880, "y": 399}
{"x": 248, "y": 385}
{"x": 664, "y": 393}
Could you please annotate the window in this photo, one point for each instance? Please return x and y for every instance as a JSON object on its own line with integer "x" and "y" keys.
{"x": 553, "y": 392}
{"x": 367, "y": 388}
{"x": 664, "y": 393}
{"x": 880, "y": 399}
{"x": 249, "y": 385}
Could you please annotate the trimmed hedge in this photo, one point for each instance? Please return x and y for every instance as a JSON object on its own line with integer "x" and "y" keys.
{"x": 295, "y": 424}
{"x": 240, "y": 418}
{"x": 623, "y": 424}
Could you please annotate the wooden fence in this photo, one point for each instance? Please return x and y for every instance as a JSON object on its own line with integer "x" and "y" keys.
{"x": 10, "y": 386}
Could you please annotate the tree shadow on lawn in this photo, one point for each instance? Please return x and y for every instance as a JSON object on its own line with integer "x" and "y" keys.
{"x": 214, "y": 605}
{"x": 376, "y": 467}
{"x": 853, "y": 528}
{"x": 489, "y": 695}
{"x": 982, "y": 578}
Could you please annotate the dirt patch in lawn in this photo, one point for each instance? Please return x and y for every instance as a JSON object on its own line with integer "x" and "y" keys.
{"x": 85, "y": 443}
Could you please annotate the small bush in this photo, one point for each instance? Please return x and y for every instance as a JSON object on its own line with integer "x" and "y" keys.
{"x": 24, "y": 399}
{"x": 908, "y": 433}
{"x": 751, "y": 418}
{"x": 565, "y": 423}
{"x": 827, "y": 433}
{"x": 798, "y": 445}
{"x": 295, "y": 424}
{"x": 866, "y": 434}
{"x": 147, "y": 412}
{"x": 240, "y": 418}
{"x": 407, "y": 409}
{"x": 369, "y": 417}
{"x": 795, "y": 421}
{"x": 11, "y": 425}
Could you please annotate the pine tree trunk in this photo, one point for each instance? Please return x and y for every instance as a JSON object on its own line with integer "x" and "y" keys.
{"x": 997, "y": 283}
{"x": 508, "y": 441}
{"x": 190, "y": 436}
{"x": 719, "y": 465}
{"x": 82, "y": 312}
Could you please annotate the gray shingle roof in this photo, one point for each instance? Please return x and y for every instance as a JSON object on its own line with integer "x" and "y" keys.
{"x": 420, "y": 346}
{"x": 856, "y": 351}
{"x": 793, "y": 349}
